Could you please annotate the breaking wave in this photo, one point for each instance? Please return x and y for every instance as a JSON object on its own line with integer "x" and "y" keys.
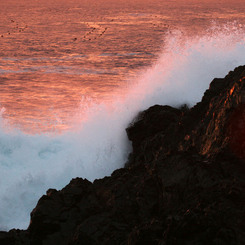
{"x": 97, "y": 145}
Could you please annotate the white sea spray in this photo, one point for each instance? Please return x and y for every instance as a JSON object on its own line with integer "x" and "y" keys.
{"x": 97, "y": 144}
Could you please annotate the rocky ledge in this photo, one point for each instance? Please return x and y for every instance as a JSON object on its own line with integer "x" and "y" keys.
{"x": 184, "y": 182}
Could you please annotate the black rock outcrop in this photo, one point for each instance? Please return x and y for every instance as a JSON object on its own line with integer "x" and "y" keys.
{"x": 184, "y": 182}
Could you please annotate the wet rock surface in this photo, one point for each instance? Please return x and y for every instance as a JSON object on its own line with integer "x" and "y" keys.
{"x": 184, "y": 182}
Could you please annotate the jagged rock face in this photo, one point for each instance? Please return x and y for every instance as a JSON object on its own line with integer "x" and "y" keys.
{"x": 214, "y": 125}
{"x": 216, "y": 129}
{"x": 184, "y": 183}
{"x": 153, "y": 131}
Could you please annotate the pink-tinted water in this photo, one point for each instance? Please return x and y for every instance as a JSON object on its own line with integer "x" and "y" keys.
{"x": 57, "y": 54}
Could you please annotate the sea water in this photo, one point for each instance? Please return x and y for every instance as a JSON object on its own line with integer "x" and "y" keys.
{"x": 74, "y": 74}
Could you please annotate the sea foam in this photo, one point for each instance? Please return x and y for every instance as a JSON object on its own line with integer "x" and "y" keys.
{"x": 97, "y": 144}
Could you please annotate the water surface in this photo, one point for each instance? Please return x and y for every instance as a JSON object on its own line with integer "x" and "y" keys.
{"x": 55, "y": 53}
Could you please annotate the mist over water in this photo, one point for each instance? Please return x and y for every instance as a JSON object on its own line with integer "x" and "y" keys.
{"x": 97, "y": 143}
{"x": 187, "y": 65}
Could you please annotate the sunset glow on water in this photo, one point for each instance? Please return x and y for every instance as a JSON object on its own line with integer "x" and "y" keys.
{"x": 75, "y": 73}
{"x": 53, "y": 54}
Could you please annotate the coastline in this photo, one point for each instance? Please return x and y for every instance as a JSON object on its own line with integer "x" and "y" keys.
{"x": 183, "y": 183}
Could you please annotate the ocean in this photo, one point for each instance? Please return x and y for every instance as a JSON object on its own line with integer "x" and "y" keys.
{"x": 74, "y": 74}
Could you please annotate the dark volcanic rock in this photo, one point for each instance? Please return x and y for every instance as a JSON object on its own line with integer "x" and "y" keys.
{"x": 184, "y": 183}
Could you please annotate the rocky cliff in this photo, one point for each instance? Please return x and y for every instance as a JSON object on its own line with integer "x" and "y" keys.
{"x": 184, "y": 182}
